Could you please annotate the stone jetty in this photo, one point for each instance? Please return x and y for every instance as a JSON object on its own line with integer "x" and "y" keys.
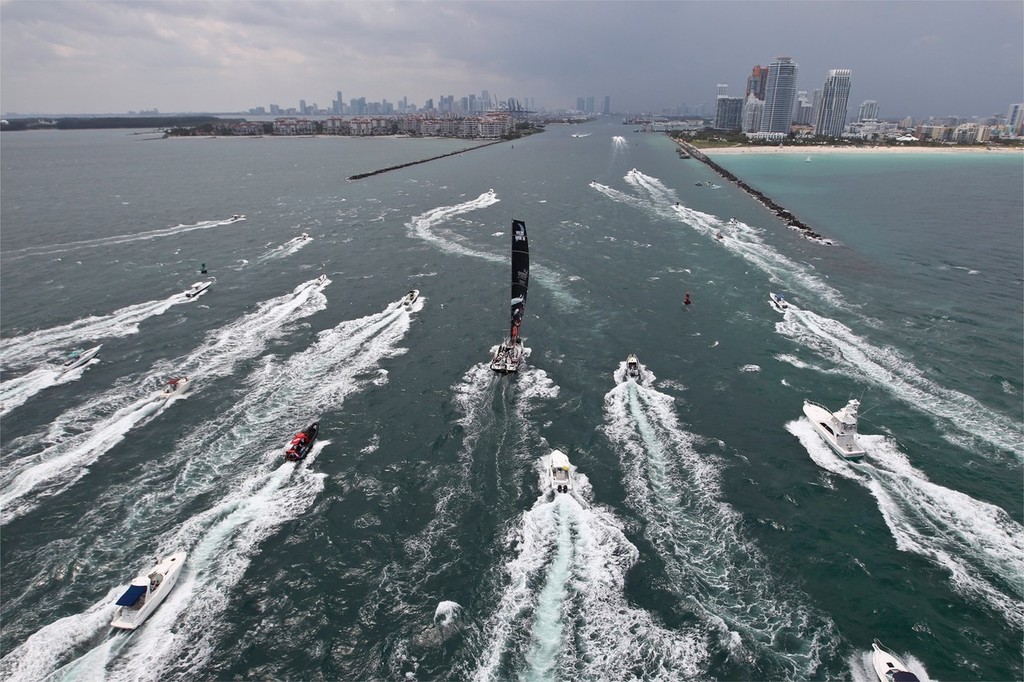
{"x": 791, "y": 220}
{"x": 360, "y": 176}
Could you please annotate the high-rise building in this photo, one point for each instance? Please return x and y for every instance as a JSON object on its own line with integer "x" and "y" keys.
{"x": 339, "y": 104}
{"x": 581, "y": 104}
{"x": 728, "y": 113}
{"x": 803, "y": 110}
{"x": 756, "y": 82}
{"x": 1015, "y": 118}
{"x": 868, "y": 110}
{"x": 830, "y": 117}
{"x": 590, "y": 104}
{"x": 302, "y": 107}
{"x": 779, "y": 96}
{"x": 607, "y": 108}
{"x": 753, "y": 110}
{"x": 723, "y": 89}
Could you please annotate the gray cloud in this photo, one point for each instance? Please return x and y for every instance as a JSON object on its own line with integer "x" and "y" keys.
{"x": 915, "y": 58}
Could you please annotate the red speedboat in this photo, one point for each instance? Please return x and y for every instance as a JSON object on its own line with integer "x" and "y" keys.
{"x": 302, "y": 443}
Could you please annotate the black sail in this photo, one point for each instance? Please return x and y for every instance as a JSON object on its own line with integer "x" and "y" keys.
{"x": 520, "y": 274}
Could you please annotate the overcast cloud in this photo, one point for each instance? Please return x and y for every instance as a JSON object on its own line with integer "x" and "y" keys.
{"x": 915, "y": 58}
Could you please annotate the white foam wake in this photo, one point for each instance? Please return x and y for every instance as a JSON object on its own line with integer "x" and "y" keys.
{"x": 122, "y": 238}
{"x": 562, "y": 613}
{"x": 710, "y": 564}
{"x": 886, "y": 368}
{"x": 106, "y": 419}
{"x": 36, "y": 346}
{"x": 978, "y": 543}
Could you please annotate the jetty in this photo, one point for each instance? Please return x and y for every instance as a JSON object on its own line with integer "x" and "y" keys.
{"x": 779, "y": 210}
{"x": 360, "y": 176}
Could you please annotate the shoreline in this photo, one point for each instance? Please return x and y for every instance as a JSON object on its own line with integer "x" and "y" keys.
{"x": 825, "y": 149}
{"x": 780, "y": 211}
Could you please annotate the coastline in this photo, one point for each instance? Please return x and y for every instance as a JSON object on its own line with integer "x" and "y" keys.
{"x": 826, "y": 149}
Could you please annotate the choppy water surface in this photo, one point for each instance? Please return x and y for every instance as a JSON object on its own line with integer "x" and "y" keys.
{"x": 710, "y": 533}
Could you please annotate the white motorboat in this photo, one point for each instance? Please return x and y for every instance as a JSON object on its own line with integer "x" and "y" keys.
{"x": 79, "y": 357}
{"x": 778, "y": 302}
{"x": 147, "y": 591}
{"x": 561, "y": 472}
{"x": 839, "y": 429}
{"x": 175, "y": 387}
{"x": 411, "y": 297}
{"x": 197, "y": 288}
{"x": 304, "y": 237}
{"x": 888, "y": 666}
{"x": 235, "y": 218}
{"x": 633, "y": 367}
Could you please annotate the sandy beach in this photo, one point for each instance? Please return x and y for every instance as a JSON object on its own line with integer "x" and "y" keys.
{"x": 819, "y": 150}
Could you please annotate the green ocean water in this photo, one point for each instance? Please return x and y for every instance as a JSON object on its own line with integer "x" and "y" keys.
{"x": 711, "y": 534}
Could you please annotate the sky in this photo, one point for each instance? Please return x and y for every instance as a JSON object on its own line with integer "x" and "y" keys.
{"x": 920, "y": 58}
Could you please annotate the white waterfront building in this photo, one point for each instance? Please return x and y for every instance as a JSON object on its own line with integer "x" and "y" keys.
{"x": 830, "y": 118}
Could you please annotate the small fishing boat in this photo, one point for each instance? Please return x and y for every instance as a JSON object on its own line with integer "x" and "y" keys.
{"x": 778, "y": 302}
{"x": 79, "y": 357}
{"x": 146, "y": 592}
{"x": 197, "y": 288}
{"x": 411, "y": 297}
{"x": 509, "y": 355}
{"x": 302, "y": 443}
{"x": 633, "y": 367}
{"x": 174, "y": 387}
{"x": 839, "y": 429}
{"x": 561, "y": 472}
{"x": 888, "y": 666}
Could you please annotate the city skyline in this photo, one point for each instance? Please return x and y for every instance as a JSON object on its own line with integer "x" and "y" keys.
{"x": 93, "y": 57}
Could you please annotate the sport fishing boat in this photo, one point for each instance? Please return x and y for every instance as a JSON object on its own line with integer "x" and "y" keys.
{"x": 411, "y": 297}
{"x": 509, "y": 355}
{"x": 561, "y": 472}
{"x": 79, "y": 357}
{"x": 197, "y": 288}
{"x": 147, "y": 591}
{"x": 174, "y": 387}
{"x": 302, "y": 443}
{"x": 632, "y": 367}
{"x": 888, "y": 666}
{"x": 839, "y": 429}
{"x": 778, "y": 302}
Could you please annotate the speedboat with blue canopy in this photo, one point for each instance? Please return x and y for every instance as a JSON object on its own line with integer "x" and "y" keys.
{"x": 79, "y": 357}
{"x": 146, "y": 592}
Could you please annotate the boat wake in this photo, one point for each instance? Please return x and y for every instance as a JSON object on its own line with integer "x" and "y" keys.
{"x": 81, "y": 435}
{"x": 562, "y": 613}
{"x": 429, "y": 227}
{"x": 653, "y": 197}
{"x": 262, "y": 494}
{"x": 36, "y": 346}
{"x": 831, "y": 339}
{"x": 290, "y": 247}
{"x": 710, "y": 565}
{"x": 115, "y": 240}
{"x": 966, "y": 420}
{"x": 978, "y": 543}
{"x": 16, "y": 392}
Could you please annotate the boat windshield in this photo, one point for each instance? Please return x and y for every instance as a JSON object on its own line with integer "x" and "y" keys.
{"x": 903, "y": 676}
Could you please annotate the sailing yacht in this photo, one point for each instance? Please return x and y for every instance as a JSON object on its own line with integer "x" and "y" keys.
{"x": 509, "y": 355}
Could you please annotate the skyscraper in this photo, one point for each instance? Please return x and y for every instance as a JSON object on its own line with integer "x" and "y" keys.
{"x": 607, "y": 108}
{"x": 830, "y": 118}
{"x": 753, "y": 110}
{"x": 868, "y": 110}
{"x": 756, "y": 82}
{"x": 728, "y": 113}
{"x": 779, "y": 96}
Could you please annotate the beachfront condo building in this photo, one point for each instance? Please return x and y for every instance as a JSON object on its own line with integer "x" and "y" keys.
{"x": 753, "y": 110}
{"x": 868, "y": 110}
{"x": 756, "y": 82}
{"x": 779, "y": 96}
{"x": 728, "y": 113}
{"x": 830, "y": 118}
